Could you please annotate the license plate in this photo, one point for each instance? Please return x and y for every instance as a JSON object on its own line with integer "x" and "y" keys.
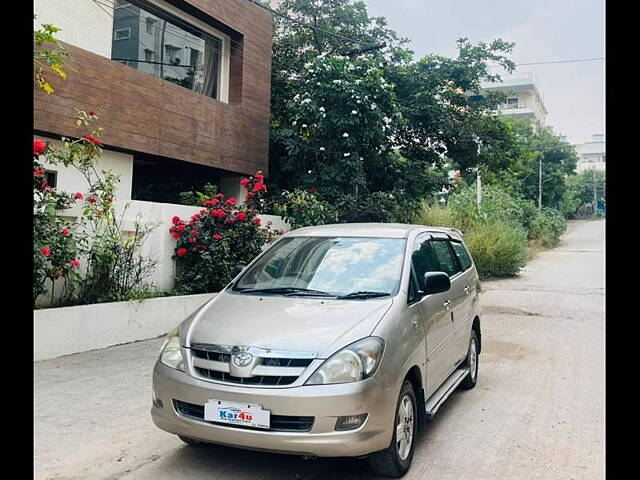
{"x": 233, "y": 413}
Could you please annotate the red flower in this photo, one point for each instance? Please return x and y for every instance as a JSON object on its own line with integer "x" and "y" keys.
{"x": 181, "y": 228}
{"x": 92, "y": 199}
{"x": 38, "y": 172}
{"x": 39, "y": 146}
{"x": 175, "y": 220}
{"x": 46, "y": 251}
{"x": 192, "y": 240}
{"x": 75, "y": 262}
{"x": 259, "y": 177}
{"x": 92, "y": 139}
{"x": 231, "y": 201}
{"x": 218, "y": 213}
{"x": 264, "y": 187}
{"x": 257, "y": 187}
{"x": 65, "y": 232}
{"x": 245, "y": 182}
{"x": 217, "y": 236}
{"x": 241, "y": 216}
{"x": 194, "y": 233}
{"x": 208, "y": 203}
{"x": 78, "y": 196}
{"x": 220, "y": 196}
{"x": 181, "y": 252}
{"x": 313, "y": 189}
{"x": 195, "y": 216}
{"x": 203, "y": 211}
{"x": 176, "y": 236}
{"x": 257, "y": 220}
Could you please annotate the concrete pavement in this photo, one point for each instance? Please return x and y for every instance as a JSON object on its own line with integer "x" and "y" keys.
{"x": 536, "y": 413}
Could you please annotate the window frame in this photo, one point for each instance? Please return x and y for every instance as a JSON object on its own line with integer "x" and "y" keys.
{"x": 455, "y": 254}
{"x": 116, "y": 30}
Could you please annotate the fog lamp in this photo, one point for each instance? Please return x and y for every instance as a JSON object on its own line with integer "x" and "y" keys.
{"x": 350, "y": 422}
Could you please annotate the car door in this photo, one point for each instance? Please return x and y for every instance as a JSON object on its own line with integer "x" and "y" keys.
{"x": 434, "y": 310}
{"x": 464, "y": 308}
{"x": 450, "y": 265}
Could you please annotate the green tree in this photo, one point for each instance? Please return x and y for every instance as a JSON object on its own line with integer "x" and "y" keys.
{"x": 558, "y": 158}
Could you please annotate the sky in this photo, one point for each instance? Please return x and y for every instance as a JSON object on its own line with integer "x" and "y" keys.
{"x": 543, "y": 30}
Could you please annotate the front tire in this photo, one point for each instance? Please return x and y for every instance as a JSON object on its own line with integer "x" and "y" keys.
{"x": 395, "y": 460}
{"x": 471, "y": 362}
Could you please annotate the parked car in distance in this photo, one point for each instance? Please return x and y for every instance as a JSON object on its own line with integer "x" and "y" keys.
{"x": 335, "y": 341}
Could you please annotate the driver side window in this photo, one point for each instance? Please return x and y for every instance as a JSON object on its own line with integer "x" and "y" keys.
{"x": 423, "y": 259}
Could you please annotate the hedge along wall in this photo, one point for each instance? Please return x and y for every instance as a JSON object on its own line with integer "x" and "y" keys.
{"x": 159, "y": 244}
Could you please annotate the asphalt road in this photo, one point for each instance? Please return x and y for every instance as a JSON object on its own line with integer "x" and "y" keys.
{"x": 536, "y": 413}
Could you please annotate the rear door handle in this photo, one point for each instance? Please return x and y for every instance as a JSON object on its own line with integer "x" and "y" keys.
{"x": 447, "y": 304}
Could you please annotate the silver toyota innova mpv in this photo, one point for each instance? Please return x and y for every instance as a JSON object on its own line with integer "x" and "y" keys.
{"x": 337, "y": 340}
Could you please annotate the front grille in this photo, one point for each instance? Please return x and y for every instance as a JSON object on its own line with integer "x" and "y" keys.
{"x": 279, "y": 423}
{"x": 212, "y": 362}
{"x": 257, "y": 380}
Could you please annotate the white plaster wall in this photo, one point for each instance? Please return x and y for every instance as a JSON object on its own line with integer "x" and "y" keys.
{"x": 71, "y": 180}
{"x": 68, "y": 330}
{"x": 84, "y": 24}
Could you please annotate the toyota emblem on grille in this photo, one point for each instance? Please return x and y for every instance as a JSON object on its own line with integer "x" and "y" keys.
{"x": 242, "y": 359}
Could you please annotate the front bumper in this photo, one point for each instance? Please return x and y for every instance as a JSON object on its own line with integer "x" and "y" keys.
{"x": 324, "y": 402}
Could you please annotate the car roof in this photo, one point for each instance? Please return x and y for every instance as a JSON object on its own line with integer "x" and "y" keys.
{"x": 382, "y": 230}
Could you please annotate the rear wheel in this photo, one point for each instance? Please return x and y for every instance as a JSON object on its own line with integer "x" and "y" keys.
{"x": 471, "y": 362}
{"x": 395, "y": 460}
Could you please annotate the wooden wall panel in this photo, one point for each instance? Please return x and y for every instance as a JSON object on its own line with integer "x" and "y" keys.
{"x": 142, "y": 113}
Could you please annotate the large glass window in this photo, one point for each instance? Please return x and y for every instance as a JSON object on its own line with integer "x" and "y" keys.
{"x": 443, "y": 253}
{"x": 335, "y": 265}
{"x": 161, "y": 44}
{"x": 463, "y": 255}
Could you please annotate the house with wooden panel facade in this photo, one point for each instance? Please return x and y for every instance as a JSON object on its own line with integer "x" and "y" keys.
{"x": 181, "y": 88}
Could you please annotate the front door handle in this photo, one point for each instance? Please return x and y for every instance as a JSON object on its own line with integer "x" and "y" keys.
{"x": 467, "y": 290}
{"x": 447, "y": 304}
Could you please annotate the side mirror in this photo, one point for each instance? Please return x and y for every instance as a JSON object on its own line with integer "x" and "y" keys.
{"x": 435, "y": 282}
{"x": 235, "y": 271}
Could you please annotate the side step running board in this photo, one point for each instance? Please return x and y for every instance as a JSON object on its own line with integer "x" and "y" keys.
{"x": 446, "y": 389}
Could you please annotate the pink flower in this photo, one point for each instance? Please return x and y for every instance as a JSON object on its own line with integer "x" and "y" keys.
{"x": 78, "y": 196}
{"x": 46, "y": 251}
{"x": 257, "y": 220}
{"x": 217, "y": 236}
{"x": 241, "y": 216}
{"x": 38, "y": 172}
{"x": 176, "y": 236}
{"x": 75, "y": 262}
{"x": 175, "y": 220}
{"x": 194, "y": 233}
{"x": 92, "y": 199}
{"x": 231, "y": 201}
{"x": 245, "y": 182}
{"x": 65, "y": 232}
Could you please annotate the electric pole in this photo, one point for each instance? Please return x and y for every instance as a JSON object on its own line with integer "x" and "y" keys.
{"x": 540, "y": 183}
{"x": 595, "y": 194}
{"x": 478, "y": 187}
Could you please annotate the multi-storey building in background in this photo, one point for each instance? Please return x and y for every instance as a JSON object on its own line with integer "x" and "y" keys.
{"x": 181, "y": 87}
{"x": 592, "y": 155}
{"x": 524, "y": 99}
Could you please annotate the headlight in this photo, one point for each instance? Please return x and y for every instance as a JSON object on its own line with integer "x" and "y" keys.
{"x": 351, "y": 364}
{"x": 171, "y": 354}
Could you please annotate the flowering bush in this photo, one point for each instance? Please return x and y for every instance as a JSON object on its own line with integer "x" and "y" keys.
{"x": 302, "y": 208}
{"x": 113, "y": 267}
{"x": 222, "y": 235}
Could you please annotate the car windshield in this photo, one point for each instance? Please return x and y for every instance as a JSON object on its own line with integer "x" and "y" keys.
{"x": 362, "y": 267}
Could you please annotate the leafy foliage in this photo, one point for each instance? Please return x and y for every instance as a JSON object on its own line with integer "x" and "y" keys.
{"x": 48, "y": 56}
{"x": 499, "y": 249}
{"x": 197, "y": 198}
{"x": 222, "y": 235}
{"x": 302, "y": 208}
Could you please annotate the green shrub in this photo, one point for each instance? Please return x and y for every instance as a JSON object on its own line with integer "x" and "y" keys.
{"x": 302, "y": 208}
{"x": 499, "y": 249}
{"x": 497, "y": 205}
{"x": 547, "y": 226}
{"x": 435, "y": 216}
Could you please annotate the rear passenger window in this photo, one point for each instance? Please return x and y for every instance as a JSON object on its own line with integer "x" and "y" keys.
{"x": 463, "y": 255}
{"x": 443, "y": 253}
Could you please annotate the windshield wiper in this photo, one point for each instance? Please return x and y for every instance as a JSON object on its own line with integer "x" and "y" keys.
{"x": 288, "y": 291}
{"x": 363, "y": 294}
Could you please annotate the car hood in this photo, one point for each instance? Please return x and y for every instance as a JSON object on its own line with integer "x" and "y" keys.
{"x": 320, "y": 326}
